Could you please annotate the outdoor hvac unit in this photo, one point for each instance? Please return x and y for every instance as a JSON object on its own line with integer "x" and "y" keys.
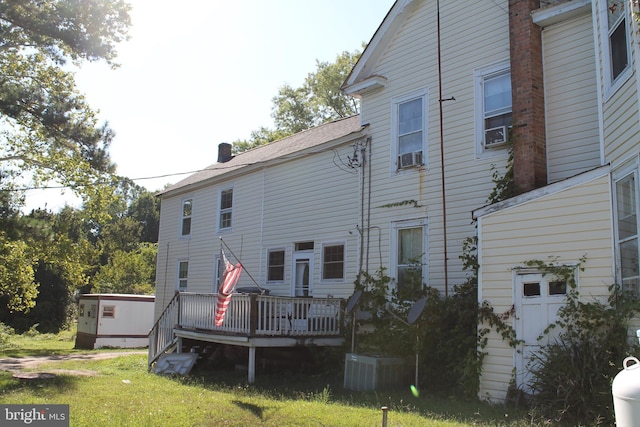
{"x": 410, "y": 159}
{"x": 365, "y": 373}
{"x": 495, "y": 137}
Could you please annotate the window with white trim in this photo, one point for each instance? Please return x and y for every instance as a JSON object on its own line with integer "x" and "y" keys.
{"x": 275, "y": 265}
{"x": 187, "y": 209}
{"x": 626, "y": 200}
{"x": 218, "y": 271}
{"x": 333, "y": 261}
{"x": 409, "y": 127}
{"x": 225, "y": 209}
{"x": 617, "y": 48}
{"x": 409, "y": 254}
{"x": 109, "y": 311}
{"x": 493, "y": 106}
{"x": 183, "y": 275}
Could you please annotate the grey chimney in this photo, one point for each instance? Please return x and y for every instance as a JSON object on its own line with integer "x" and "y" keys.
{"x": 224, "y": 152}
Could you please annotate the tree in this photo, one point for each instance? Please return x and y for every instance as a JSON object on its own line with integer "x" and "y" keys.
{"x": 48, "y": 131}
{"x": 128, "y": 272}
{"x": 317, "y": 101}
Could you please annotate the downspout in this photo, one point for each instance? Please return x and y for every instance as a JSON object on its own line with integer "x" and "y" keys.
{"x": 444, "y": 200}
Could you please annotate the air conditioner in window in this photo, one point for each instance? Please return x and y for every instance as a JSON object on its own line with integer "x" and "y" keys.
{"x": 410, "y": 159}
{"x": 495, "y": 137}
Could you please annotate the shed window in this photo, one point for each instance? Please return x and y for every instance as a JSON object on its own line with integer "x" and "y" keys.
{"x": 109, "y": 311}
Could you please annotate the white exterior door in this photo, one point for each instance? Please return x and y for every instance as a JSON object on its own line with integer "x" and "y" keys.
{"x": 302, "y": 283}
{"x": 537, "y": 302}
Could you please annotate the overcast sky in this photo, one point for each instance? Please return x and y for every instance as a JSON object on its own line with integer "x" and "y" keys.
{"x": 199, "y": 72}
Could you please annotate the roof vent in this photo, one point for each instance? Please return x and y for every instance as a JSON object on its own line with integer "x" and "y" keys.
{"x": 224, "y": 152}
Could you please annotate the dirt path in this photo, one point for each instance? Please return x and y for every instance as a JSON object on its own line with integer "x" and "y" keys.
{"x": 18, "y": 365}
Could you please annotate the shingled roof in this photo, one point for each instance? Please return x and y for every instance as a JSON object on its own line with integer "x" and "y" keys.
{"x": 280, "y": 149}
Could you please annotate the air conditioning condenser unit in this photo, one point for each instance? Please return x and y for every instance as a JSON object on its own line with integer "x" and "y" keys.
{"x": 373, "y": 372}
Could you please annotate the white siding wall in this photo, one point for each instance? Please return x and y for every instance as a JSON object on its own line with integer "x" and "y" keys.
{"x": 566, "y": 226}
{"x": 410, "y": 64}
{"x": 306, "y": 199}
{"x": 573, "y": 140}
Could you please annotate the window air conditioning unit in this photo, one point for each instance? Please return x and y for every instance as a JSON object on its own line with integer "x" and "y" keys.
{"x": 410, "y": 159}
{"x": 365, "y": 373}
{"x": 495, "y": 136}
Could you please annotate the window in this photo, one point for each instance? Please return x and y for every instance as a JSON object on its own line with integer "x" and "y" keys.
{"x": 183, "y": 274}
{"x": 275, "y": 265}
{"x": 187, "y": 207}
{"x": 409, "y": 243}
{"x": 410, "y": 133}
{"x": 226, "y": 208}
{"x": 333, "y": 262}
{"x": 109, "y": 311}
{"x": 218, "y": 272}
{"x": 618, "y": 46}
{"x": 627, "y": 232}
{"x": 493, "y": 106}
{"x": 81, "y": 310}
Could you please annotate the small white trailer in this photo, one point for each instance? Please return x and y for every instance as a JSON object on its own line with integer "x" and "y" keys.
{"x": 114, "y": 320}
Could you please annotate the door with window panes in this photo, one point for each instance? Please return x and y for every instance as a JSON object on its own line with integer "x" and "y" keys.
{"x": 538, "y": 298}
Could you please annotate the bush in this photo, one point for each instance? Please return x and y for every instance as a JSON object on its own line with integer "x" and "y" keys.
{"x": 572, "y": 375}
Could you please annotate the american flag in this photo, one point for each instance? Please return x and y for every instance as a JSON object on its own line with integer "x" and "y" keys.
{"x": 229, "y": 281}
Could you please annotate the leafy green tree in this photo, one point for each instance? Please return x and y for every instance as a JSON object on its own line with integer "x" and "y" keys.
{"x": 317, "y": 101}
{"x": 17, "y": 288}
{"x": 128, "y": 272}
{"x": 48, "y": 129}
{"x": 145, "y": 210}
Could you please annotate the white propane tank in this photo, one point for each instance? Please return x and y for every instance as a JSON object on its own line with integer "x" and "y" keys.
{"x": 626, "y": 394}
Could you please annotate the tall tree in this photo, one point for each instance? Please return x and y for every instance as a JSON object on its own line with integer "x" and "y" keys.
{"x": 48, "y": 131}
{"x": 317, "y": 101}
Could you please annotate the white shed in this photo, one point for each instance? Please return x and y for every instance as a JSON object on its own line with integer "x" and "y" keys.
{"x": 114, "y": 320}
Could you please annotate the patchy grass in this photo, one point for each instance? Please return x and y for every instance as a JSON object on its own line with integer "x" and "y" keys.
{"x": 123, "y": 393}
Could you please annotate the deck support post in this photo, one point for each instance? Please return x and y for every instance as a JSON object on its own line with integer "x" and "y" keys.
{"x": 252, "y": 366}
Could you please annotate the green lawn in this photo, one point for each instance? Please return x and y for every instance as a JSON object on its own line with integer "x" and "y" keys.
{"x": 123, "y": 393}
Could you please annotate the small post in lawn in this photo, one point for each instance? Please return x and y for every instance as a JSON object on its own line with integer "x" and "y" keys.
{"x": 384, "y": 416}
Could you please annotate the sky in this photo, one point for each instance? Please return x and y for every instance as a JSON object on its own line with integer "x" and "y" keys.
{"x": 196, "y": 73}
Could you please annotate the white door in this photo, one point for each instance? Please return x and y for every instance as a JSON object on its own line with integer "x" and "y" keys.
{"x": 537, "y": 302}
{"x": 302, "y": 283}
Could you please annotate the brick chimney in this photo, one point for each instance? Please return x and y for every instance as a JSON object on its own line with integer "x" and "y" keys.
{"x": 528, "y": 133}
{"x": 224, "y": 152}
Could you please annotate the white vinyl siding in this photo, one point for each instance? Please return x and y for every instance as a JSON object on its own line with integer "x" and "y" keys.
{"x": 408, "y": 65}
{"x": 564, "y": 226}
{"x": 571, "y": 99}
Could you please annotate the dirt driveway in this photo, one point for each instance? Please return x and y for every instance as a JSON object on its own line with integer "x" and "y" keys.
{"x": 22, "y": 366}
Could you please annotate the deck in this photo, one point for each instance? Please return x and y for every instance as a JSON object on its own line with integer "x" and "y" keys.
{"x": 251, "y": 321}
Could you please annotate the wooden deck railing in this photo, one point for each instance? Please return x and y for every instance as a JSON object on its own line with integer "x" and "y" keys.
{"x": 248, "y": 315}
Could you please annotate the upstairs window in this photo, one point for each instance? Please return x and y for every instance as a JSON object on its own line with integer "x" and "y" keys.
{"x": 275, "y": 265}
{"x": 187, "y": 207}
{"x": 493, "y": 106}
{"x": 410, "y": 133}
{"x": 333, "y": 262}
{"x": 226, "y": 209}
{"x": 618, "y": 46}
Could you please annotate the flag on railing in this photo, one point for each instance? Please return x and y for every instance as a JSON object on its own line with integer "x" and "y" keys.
{"x": 229, "y": 281}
